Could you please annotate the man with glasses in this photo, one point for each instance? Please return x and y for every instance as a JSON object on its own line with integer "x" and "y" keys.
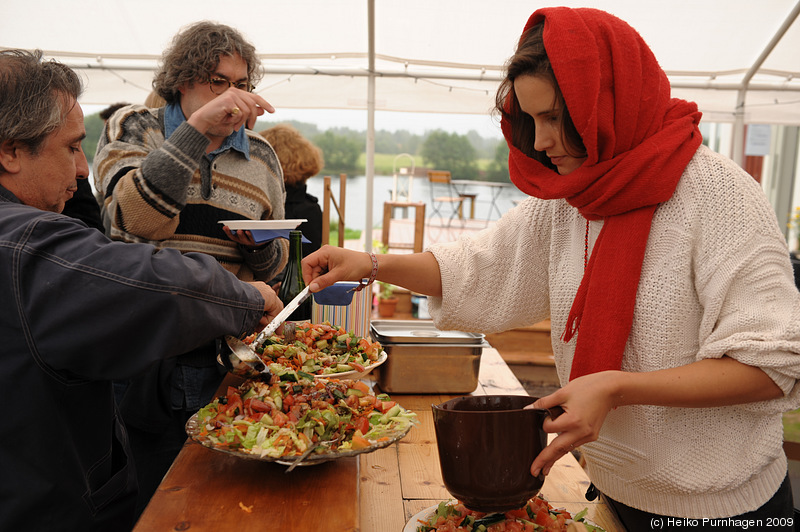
{"x": 168, "y": 176}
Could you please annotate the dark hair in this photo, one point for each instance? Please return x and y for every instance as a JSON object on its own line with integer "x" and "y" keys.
{"x": 531, "y": 59}
{"x": 106, "y": 113}
{"x": 35, "y": 96}
{"x": 194, "y": 56}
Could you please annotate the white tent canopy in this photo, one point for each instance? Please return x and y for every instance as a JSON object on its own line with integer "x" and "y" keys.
{"x": 430, "y": 56}
{"x": 739, "y": 60}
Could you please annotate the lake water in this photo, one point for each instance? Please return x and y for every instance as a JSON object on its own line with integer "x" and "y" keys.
{"x": 356, "y": 198}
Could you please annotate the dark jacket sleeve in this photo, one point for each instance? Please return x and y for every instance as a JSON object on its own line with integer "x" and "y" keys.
{"x": 98, "y": 309}
{"x": 84, "y": 206}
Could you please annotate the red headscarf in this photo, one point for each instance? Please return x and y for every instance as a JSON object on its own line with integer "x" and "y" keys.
{"x": 638, "y": 141}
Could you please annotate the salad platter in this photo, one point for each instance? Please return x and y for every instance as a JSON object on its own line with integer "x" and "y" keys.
{"x": 279, "y": 420}
{"x": 242, "y": 369}
{"x": 354, "y": 374}
{"x": 320, "y": 350}
{"x": 537, "y": 514}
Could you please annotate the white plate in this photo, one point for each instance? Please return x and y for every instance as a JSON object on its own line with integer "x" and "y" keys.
{"x": 423, "y": 515}
{"x": 249, "y": 225}
{"x": 355, "y": 374}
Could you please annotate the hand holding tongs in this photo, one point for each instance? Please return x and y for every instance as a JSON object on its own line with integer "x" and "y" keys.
{"x": 247, "y": 353}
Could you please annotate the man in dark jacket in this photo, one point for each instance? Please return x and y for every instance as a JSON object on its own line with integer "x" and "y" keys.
{"x": 79, "y": 311}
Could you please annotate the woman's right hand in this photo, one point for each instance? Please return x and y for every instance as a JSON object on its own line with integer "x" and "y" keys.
{"x": 330, "y": 264}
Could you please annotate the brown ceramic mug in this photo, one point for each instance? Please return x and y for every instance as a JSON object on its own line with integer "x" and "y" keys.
{"x": 487, "y": 444}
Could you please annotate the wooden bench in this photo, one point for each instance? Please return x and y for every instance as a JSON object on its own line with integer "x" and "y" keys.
{"x": 528, "y": 352}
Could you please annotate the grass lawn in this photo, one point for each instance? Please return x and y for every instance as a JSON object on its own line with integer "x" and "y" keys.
{"x": 384, "y": 163}
{"x": 349, "y": 234}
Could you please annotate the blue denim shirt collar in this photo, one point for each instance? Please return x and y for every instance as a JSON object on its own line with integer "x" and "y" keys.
{"x": 173, "y": 117}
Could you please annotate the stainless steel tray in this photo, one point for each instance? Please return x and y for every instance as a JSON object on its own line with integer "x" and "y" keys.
{"x": 419, "y": 332}
{"x": 431, "y": 368}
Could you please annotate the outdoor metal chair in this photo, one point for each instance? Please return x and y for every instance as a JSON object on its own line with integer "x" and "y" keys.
{"x": 443, "y": 193}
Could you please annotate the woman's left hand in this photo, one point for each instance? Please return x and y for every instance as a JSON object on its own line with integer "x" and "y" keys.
{"x": 586, "y": 402}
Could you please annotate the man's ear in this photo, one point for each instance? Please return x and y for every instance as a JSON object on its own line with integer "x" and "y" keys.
{"x": 9, "y": 156}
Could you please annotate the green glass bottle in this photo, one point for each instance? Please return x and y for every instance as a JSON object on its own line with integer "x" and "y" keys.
{"x": 292, "y": 283}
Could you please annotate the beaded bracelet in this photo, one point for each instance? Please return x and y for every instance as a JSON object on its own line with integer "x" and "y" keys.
{"x": 363, "y": 283}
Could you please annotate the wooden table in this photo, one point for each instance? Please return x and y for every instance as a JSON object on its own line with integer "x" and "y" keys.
{"x": 206, "y": 490}
{"x": 497, "y": 189}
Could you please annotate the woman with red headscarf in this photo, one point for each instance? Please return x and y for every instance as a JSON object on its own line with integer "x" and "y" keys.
{"x": 675, "y": 315}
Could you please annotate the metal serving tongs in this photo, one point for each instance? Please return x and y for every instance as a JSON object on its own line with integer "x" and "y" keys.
{"x": 311, "y": 447}
{"x": 244, "y": 360}
{"x": 327, "y": 444}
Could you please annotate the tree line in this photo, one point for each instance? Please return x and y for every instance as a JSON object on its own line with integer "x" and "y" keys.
{"x": 469, "y": 156}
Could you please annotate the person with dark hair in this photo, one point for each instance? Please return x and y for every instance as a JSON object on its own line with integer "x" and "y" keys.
{"x": 168, "y": 176}
{"x": 79, "y": 311}
{"x": 300, "y": 160}
{"x": 676, "y": 321}
{"x": 83, "y": 204}
{"x": 106, "y": 113}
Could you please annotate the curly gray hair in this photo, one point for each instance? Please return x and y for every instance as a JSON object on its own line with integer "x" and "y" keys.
{"x": 34, "y": 96}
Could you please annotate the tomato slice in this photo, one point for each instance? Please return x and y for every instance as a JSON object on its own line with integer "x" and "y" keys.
{"x": 279, "y": 418}
{"x": 257, "y": 405}
{"x": 519, "y": 512}
{"x": 359, "y": 441}
{"x": 542, "y": 517}
{"x": 362, "y": 424}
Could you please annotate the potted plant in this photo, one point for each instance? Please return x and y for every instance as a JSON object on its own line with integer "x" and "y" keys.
{"x": 404, "y": 304}
{"x": 387, "y": 301}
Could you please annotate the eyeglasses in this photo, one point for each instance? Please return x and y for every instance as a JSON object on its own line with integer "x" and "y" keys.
{"x": 220, "y": 85}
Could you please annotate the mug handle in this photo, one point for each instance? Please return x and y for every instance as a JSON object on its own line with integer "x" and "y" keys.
{"x": 554, "y": 411}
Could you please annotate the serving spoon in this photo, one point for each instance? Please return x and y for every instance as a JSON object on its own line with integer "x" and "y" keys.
{"x": 242, "y": 360}
{"x": 243, "y": 357}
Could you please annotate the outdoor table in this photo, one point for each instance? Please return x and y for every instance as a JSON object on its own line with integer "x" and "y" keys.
{"x": 496, "y": 189}
{"x": 207, "y": 490}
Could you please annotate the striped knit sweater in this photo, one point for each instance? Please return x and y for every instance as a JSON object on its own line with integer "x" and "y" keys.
{"x": 168, "y": 193}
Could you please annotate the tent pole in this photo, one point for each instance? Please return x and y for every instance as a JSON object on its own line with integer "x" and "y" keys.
{"x": 738, "y": 124}
{"x": 370, "y": 160}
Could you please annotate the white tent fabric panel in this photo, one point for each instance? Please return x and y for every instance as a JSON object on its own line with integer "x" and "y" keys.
{"x": 763, "y": 107}
{"x": 431, "y": 56}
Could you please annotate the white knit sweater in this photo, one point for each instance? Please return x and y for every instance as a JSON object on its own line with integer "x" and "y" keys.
{"x": 716, "y": 279}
